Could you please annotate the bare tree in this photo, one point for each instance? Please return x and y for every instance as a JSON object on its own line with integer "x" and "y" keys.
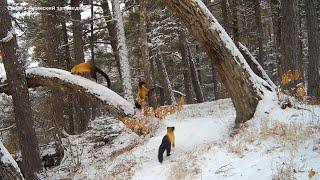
{"x": 194, "y": 77}
{"x": 258, "y": 19}
{"x": 80, "y": 104}
{"x": 313, "y": 49}
{"x": 169, "y": 96}
{"x": 123, "y": 51}
{"x": 241, "y": 82}
{"x": 276, "y": 24}
{"x": 51, "y": 38}
{"x": 112, "y": 33}
{"x": 225, "y": 15}
{"x": 20, "y": 96}
{"x": 235, "y": 26}
{"x": 186, "y": 65}
{"x": 289, "y": 39}
{"x": 145, "y": 49}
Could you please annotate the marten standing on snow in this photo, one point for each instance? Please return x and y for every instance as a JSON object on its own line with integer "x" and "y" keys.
{"x": 88, "y": 68}
{"x": 166, "y": 143}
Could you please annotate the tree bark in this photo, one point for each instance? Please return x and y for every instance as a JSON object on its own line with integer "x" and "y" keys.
{"x": 169, "y": 96}
{"x": 80, "y": 104}
{"x": 289, "y": 39}
{"x": 313, "y": 49}
{"x": 186, "y": 65}
{"x": 245, "y": 89}
{"x": 20, "y": 97}
{"x": 215, "y": 80}
{"x": 68, "y": 66}
{"x": 260, "y": 35}
{"x": 112, "y": 33}
{"x": 225, "y": 16}
{"x": 123, "y": 52}
{"x": 194, "y": 77}
{"x": 276, "y": 23}
{"x": 78, "y": 43}
{"x": 145, "y": 49}
{"x": 235, "y": 26}
{"x": 215, "y": 76}
{"x": 51, "y": 48}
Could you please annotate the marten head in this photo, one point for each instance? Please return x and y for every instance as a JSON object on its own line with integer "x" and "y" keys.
{"x": 170, "y": 129}
{"x": 141, "y": 83}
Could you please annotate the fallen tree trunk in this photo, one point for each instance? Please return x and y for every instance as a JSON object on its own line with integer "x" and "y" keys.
{"x": 8, "y": 167}
{"x": 245, "y": 87}
{"x": 64, "y": 80}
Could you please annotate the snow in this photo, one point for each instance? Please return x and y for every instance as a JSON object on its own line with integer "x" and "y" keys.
{"x": 6, "y": 158}
{"x": 92, "y": 87}
{"x": 277, "y": 142}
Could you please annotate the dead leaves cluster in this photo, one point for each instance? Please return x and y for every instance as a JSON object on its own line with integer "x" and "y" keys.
{"x": 143, "y": 126}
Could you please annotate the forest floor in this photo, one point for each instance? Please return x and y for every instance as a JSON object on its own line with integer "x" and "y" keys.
{"x": 276, "y": 144}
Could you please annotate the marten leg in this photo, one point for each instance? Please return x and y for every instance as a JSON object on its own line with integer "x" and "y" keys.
{"x": 168, "y": 149}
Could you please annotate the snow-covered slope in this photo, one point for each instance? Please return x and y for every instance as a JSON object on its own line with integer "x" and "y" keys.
{"x": 276, "y": 143}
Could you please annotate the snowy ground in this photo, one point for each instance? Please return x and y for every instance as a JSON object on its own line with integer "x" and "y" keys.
{"x": 275, "y": 144}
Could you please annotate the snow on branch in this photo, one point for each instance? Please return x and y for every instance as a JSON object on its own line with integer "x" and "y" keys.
{"x": 8, "y": 166}
{"x": 255, "y": 66}
{"x": 64, "y": 80}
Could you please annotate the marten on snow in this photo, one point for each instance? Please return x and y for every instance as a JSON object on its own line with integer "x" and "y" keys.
{"x": 166, "y": 143}
{"x": 89, "y": 68}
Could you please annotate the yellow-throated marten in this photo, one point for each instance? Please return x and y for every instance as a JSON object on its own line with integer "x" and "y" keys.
{"x": 144, "y": 93}
{"x": 166, "y": 143}
{"x": 88, "y": 68}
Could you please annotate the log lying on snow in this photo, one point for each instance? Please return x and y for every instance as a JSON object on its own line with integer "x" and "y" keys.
{"x": 8, "y": 167}
{"x": 64, "y": 80}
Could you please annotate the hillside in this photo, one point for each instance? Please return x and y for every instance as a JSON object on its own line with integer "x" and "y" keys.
{"x": 276, "y": 143}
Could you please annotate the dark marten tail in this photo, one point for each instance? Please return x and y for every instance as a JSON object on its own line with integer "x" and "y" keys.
{"x": 104, "y": 75}
{"x": 154, "y": 88}
{"x": 162, "y": 148}
{"x": 137, "y": 105}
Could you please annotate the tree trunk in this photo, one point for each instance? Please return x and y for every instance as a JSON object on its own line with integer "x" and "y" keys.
{"x": 77, "y": 33}
{"x": 80, "y": 104}
{"x": 215, "y": 76}
{"x": 145, "y": 49}
{"x": 225, "y": 16}
{"x": 169, "y": 96}
{"x": 123, "y": 52}
{"x": 186, "y": 69}
{"x": 313, "y": 49}
{"x": 51, "y": 48}
{"x": 276, "y": 22}
{"x": 235, "y": 27}
{"x": 20, "y": 96}
{"x": 258, "y": 19}
{"x": 194, "y": 77}
{"x": 215, "y": 80}
{"x": 112, "y": 34}
{"x": 68, "y": 65}
{"x": 244, "y": 87}
{"x": 289, "y": 39}
{"x": 198, "y": 52}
